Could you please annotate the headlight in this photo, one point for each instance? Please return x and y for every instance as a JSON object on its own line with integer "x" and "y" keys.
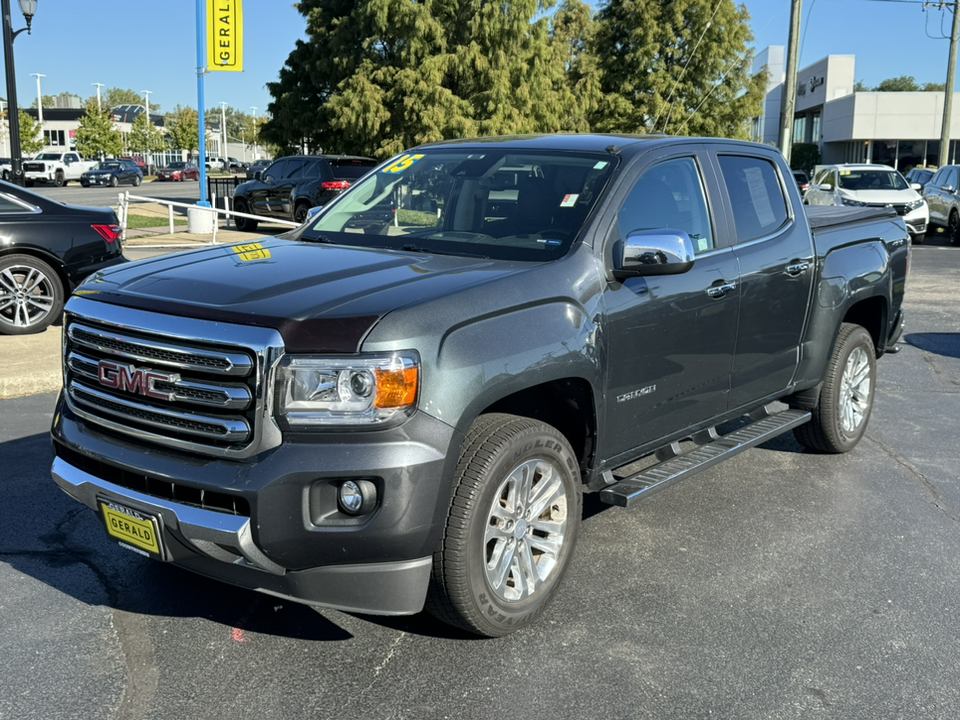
{"x": 855, "y": 203}
{"x": 915, "y": 204}
{"x": 365, "y": 390}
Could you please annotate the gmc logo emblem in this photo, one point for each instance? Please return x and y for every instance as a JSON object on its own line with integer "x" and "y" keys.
{"x": 132, "y": 379}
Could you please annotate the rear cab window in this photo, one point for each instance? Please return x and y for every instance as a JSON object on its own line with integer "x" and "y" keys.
{"x": 756, "y": 196}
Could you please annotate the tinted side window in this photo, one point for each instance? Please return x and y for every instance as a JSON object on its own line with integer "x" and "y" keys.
{"x": 938, "y": 178}
{"x": 312, "y": 170}
{"x": 669, "y": 195}
{"x": 756, "y": 196}
{"x": 951, "y": 177}
{"x": 294, "y": 168}
{"x": 275, "y": 171}
{"x": 9, "y": 206}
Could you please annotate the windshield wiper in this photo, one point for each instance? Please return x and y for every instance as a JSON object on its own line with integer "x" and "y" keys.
{"x": 434, "y": 251}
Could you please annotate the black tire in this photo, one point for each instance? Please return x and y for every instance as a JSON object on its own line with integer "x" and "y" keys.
{"x": 114, "y": 181}
{"x": 31, "y": 295}
{"x": 137, "y": 180}
{"x": 500, "y": 563}
{"x": 300, "y": 213}
{"x": 846, "y": 397}
{"x": 953, "y": 225}
{"x": 244, "y": 224}
{"x": 58, "y": 180}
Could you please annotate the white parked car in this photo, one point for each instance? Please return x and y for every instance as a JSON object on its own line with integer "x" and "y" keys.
{"x": 864, "y": 185}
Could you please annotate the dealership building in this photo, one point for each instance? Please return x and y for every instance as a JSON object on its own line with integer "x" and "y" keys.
{"x": 901, "y": 129}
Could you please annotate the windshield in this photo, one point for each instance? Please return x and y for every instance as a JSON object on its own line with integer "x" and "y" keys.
{"x": 495, "y": 203}
{"x": 177, "y": 165}
{"x": 48, "y": 156}
{"x": 109, "y": 166}
{"x": 872, "y": 180}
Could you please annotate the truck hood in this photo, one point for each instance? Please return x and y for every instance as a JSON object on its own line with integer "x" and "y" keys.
{"x": 321, "y": 298}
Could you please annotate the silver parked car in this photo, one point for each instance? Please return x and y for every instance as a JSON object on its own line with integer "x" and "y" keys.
{"x": 941, "y": 196}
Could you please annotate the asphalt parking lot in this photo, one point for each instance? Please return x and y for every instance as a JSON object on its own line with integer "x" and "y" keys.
{"x": 778, "y": 585}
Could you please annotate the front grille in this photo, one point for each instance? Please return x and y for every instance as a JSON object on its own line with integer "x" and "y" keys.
{"x": 155, "y": 487}
{"x": 203, "y": 395}
{"x": 899, "y": 208}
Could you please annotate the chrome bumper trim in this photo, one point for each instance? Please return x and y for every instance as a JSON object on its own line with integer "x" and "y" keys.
{"x": 206, "y": 530}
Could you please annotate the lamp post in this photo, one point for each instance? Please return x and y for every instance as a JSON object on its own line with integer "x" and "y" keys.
{"x": 256, "y": 150}
{"x": 39, "y": 99}
{"x": 29, "y": 9}
{"x": 223, "y": 130}
{"x": 99, "y": 85}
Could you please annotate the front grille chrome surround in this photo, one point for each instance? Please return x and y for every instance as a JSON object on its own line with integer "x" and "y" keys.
{"x": 217, "y": 394}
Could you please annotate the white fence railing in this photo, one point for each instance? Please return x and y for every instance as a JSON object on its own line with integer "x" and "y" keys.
{"x": 226, "y": 212}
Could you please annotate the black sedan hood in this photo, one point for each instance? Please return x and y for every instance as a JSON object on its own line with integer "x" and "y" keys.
{"x": 321, "y": 298}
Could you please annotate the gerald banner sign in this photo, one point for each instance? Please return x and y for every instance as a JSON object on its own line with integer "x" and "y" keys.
{"x": 224, "y": 36}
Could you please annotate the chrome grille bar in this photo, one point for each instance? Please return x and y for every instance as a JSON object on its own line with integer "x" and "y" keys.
{"x": 223, "y": 429}
{"x": 167, "y": 355}
{"x": 207, "y": 394}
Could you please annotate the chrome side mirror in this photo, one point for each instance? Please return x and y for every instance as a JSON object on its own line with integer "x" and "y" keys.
{"x": 654, "y": 252}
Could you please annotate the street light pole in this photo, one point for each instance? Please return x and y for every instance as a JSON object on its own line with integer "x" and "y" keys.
{"x": 29, "y": 8}
{"x": 39, "y": 99}
{"x": 99, "y": 85}
{"x": 256, "y": 134}
{"x": 223, "y": 130}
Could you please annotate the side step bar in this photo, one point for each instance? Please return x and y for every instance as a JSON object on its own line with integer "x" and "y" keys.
{"x": 628, "y": 491}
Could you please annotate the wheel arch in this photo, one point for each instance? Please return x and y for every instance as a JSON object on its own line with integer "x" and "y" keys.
{"x": 568, "y": 404}
{"x": 52, "y": 260}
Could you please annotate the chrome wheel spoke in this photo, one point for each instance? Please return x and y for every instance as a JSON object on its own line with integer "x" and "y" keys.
{"x": 8, "y": 281}
{"x": 524, "y": 536}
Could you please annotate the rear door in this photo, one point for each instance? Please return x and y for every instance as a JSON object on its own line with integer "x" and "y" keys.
{"x": 281, "y": 193}
{"x": 775, "y": 252}
{"x": 670, "y": 339}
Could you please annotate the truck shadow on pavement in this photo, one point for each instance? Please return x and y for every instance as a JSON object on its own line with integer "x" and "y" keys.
{"x": 48, "y": 536}
{"x": 946, "y": 344}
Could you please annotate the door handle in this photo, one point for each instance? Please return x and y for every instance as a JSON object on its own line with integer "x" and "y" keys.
{"x": 718, "y": 291}
{"x": 797, "y": 268}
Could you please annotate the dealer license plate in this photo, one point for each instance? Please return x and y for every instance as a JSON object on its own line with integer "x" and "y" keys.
{"x": 132, "y": 528}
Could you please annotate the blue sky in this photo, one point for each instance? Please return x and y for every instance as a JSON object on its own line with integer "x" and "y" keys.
{"x": 151, "y": 45}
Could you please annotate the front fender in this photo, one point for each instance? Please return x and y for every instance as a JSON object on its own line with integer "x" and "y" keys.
{"x": 491, "y": 358}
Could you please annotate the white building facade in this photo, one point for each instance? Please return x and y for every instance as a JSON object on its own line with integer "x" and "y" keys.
{"x": 901, "y": 129}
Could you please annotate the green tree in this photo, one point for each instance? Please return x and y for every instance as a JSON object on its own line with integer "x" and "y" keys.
{"x": 31, "y": 135}
{"x": 145, "y": 137}
{"x": 933, "y": 87}
{"x": 676, "y": 66}
{"x": 407, "y": 72}
{"x": 181, "y": 127}
{"x": 97, "y": 136}
{"x": 860, "y": 86}
{"x": 904, "y": 83}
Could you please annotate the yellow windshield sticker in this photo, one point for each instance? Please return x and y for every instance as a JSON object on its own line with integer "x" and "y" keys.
{"x": 402, "y": 164}
{"x": 251, "y": 252}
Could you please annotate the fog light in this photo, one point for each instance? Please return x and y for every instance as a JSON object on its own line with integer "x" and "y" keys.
{"x": 357, "y": 497}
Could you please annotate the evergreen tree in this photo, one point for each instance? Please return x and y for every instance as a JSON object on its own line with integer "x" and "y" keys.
{"x": 181, "y": 127}
{"x": 380, "y": 75}
{"x": 97, "y": 136}
{"x": 676, "y": 66}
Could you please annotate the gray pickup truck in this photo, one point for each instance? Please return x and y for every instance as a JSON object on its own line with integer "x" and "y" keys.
{"x": 401, "y": 403}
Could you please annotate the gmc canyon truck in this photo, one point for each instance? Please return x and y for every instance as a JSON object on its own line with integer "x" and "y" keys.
{"x": 401, "y": 403}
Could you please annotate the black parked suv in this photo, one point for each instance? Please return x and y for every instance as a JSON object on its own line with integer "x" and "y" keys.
{"x": 290, "y": 186}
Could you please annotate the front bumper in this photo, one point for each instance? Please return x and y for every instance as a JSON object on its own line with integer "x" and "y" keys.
{"x": 292, "y": 542}
{"x": 917, "y": 220}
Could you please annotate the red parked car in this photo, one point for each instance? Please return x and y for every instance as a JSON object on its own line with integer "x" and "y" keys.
{"x": 179, "y": 171}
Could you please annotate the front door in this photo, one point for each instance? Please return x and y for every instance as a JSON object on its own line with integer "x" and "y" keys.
{"x": 669, "y": 339}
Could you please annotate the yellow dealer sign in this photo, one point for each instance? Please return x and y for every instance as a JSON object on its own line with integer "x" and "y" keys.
{"x": 224, "y": 36}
